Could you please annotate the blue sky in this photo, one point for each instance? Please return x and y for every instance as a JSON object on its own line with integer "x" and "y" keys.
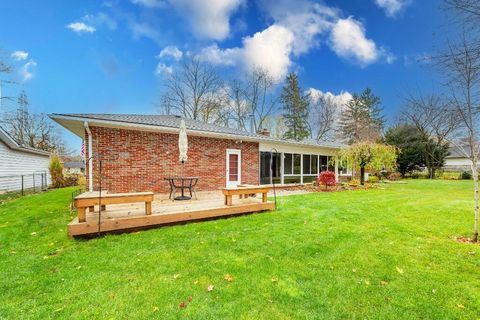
{"x": 93, "y": 56}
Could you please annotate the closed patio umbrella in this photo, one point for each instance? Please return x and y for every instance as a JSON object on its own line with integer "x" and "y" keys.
{"x": 183, "y": 142}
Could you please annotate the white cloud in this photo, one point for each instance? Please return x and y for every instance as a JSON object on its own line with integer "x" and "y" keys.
{"x": 223, "y": 57}
{"x": 339, "y": 100}
{"x": 269, "y": 50}
{"x": 142, "y": 29}
{"x": 81, "y": 27}
{"x": 208, "y": 18}
{"x": 92, "y": 22}
{"x": 296, "y": 29}
{"x": 392, "y": 7}
{"x": 304, "y": 19}
{"x": 26, "y": 72}
{"x": 99, "y": 20}
{"x": 19, "y": 55}
{"x": 348, "y": 40}
{"x": 163, "y": 69}
{"x": 171, "y": 51}
{"x": 149, "y": 3}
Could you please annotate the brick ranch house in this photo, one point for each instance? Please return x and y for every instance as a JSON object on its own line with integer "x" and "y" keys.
{"x": 139, "y": 151}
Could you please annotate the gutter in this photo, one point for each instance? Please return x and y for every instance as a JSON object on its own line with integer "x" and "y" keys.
{"x": 90, "y": 164}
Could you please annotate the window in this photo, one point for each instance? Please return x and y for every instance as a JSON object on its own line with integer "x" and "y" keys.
{"x": 310, "y": 164}
{"x": 287, "y": 162}
{"x": 323, "y": 163}
{"x": 314, "y": 169}
{"x": 265, "y": 158}
{"x": 292, "y": 168}
{"x": 297, "y": 164}
{"x": 306, "y": 164}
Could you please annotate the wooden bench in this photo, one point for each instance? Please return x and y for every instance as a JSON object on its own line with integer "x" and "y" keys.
{"x": 91, "y": 199}
{"x": 244, "y": 191}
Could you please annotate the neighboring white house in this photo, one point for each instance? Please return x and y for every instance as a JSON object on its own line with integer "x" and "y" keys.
{"x": 17, "y": 161}
{"x": 73, "y": 167}
{"x": 456, "y": 160}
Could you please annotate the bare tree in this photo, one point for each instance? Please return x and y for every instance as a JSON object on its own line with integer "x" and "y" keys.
{"x": 251, "y": 99}
{"x": 237, "y": 106}
{"x": 431, "y": 115}
{"x": 467, "y": 11}
{"x": 5, "y": 70}
{"x": 323, "y": 116}
{"x": 461, "y": 61}
{"x": 275, "y": 125}
{"x": 259, "y": 95}
{"x": 194, "y": 91}
{"x": 33, "y": 130}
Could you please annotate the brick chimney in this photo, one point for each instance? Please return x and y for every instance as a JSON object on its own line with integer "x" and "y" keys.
{"x": 265, "y": 132}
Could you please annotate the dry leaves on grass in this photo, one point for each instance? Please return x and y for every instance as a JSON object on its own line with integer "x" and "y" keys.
{"x": 184, "y": 304}
{"x": 400, "y": 270}
{"x": 465, "y": 240}
{"x": 210, "y": 288}
{"x": 228, "y": 277}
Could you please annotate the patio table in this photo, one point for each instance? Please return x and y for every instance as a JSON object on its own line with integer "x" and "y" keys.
{"x": 182, "y": 183}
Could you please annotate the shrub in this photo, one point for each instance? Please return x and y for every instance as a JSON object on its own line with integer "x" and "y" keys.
{"x": 70, "y": 180}
{"x": 56, "y": 171}
{"x": 451, "y": 175}
{"x": 82, "y": 182}
{"x": 466, "y": 175}
{"x": 383, "y": 174}
{"x": 394, "y": 176}
{"x": 373, "y": 179}
{"x": 419, "y": 175}
{"x": 327, "y": 178}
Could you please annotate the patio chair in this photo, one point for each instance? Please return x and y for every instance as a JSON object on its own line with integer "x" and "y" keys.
{"x": 192, "y": 188}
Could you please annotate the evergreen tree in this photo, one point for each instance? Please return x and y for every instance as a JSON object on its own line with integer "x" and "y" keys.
{"x": 295, "y": 110}
{"x": 362, "y": 118}
{"x": 411, "y": 143}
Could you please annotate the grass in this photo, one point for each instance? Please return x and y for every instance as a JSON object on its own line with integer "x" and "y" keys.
{"x": 378, "y": 254}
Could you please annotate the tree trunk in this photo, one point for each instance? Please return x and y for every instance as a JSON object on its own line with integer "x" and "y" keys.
{"x": 475, "y": 209}
{"x": 362, "y": 175}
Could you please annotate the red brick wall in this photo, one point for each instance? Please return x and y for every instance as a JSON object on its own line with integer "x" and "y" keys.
{"x": 136, "y": 161}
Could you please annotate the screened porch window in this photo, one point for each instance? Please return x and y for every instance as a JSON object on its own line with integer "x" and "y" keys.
{"x": 265, "y": 158}
{"x": 292, "y": 163}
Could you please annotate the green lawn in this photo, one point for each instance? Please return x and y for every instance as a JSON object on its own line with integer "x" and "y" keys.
{"x": 379, "y": 254}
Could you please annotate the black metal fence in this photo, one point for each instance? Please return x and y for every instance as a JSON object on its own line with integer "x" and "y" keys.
{"x": 24, "y": 183}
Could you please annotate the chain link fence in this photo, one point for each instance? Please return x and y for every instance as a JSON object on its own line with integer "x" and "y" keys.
{"x": 21, "y": 184}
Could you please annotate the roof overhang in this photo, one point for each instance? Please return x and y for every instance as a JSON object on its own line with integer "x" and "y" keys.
{"x": 76, "y": 125}
{"x": 12, "y": 144}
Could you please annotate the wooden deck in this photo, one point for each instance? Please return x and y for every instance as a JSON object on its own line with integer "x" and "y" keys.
{"x": 128, "y": 217}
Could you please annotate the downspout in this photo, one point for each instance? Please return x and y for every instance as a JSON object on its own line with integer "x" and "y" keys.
{"x": 89, "y": 159}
